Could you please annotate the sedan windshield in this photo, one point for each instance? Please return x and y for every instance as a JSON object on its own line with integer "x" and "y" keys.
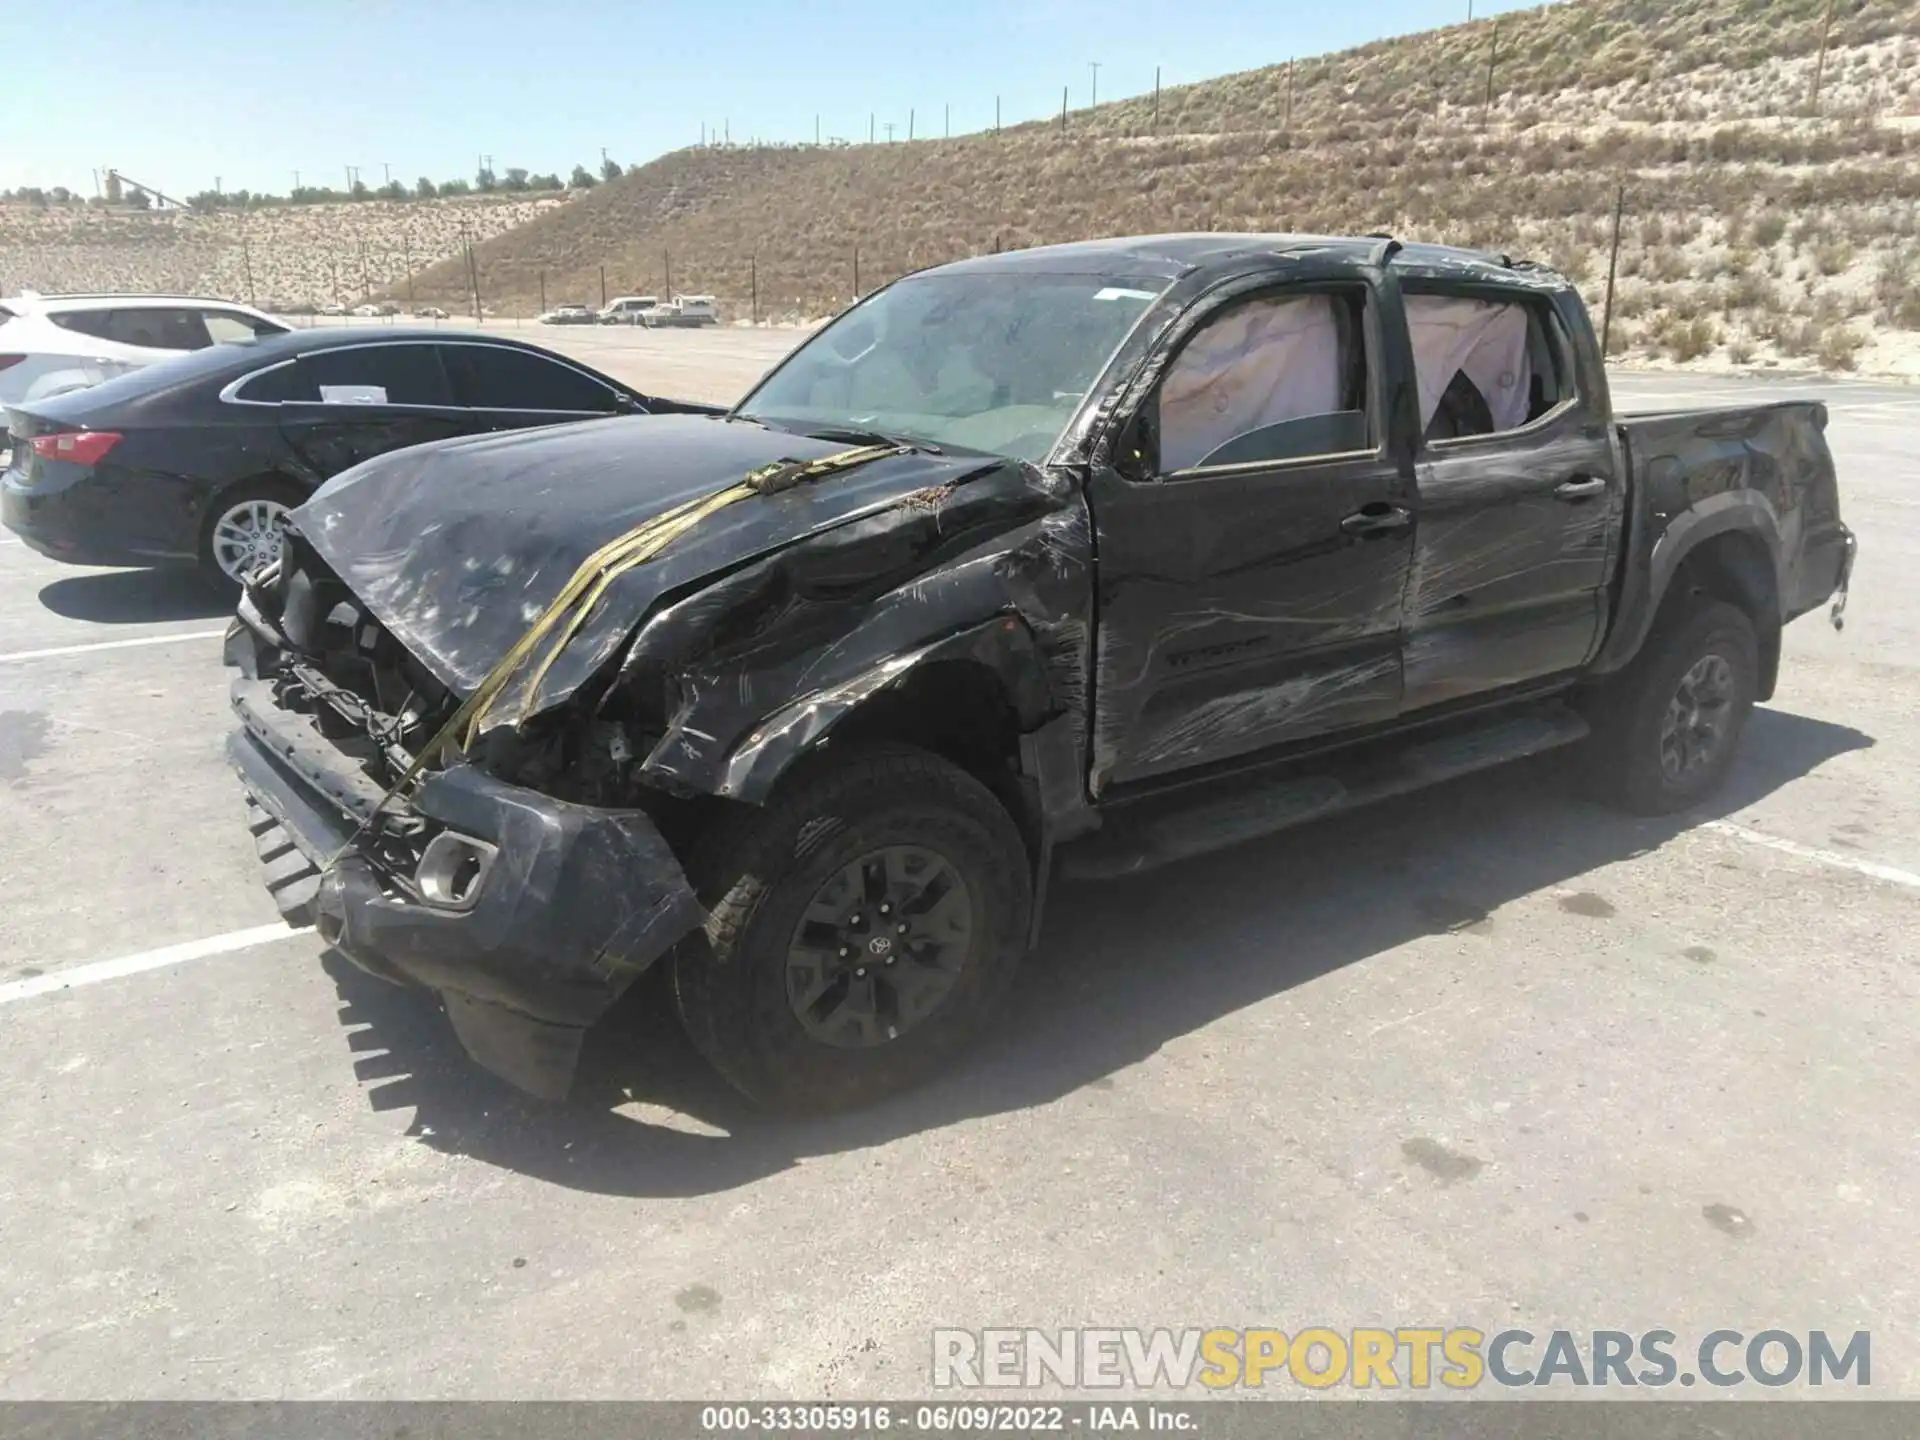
{"x": 981, "y": 362}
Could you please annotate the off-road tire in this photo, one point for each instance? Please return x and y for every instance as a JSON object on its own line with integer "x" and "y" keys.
{"x": 1622, "y": 762}
{"x": 759, "y": 869}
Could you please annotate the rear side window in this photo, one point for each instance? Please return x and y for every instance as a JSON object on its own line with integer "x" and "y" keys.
{"x": 272, "y": 387}
{"x": 493, "y": 377}
{"x": 1485, "y": 365}
{"x": 376, "y": 375}
{"x": 159, "y": 329}
{"x": 1273, "y": 378}
{"x": 97, "y": 323}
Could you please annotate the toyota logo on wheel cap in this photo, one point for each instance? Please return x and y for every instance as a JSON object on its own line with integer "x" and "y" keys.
{"x": 879, "y": 945}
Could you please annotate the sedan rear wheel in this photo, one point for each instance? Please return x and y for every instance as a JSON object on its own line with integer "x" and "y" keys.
{"x": 243, "y": 532}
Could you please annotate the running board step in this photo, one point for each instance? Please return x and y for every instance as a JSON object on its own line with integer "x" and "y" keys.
{"x": 1151, "y": 833}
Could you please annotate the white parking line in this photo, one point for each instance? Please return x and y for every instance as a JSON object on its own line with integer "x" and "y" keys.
{"x": 95, "y": 971}
{"x": 1871, "y": 868}
{"x": 58, "y": 650}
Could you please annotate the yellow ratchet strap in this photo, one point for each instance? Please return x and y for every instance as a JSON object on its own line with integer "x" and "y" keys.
{"x": 577, "y": 599}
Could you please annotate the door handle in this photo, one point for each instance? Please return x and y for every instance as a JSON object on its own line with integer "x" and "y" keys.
{"x": 1580, "y": 487}
{"x": 1378, "y": 518}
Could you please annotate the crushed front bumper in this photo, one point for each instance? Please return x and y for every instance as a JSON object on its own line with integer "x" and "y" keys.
{"x": 571, "y": 906}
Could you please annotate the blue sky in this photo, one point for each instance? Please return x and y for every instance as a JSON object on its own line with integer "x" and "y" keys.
{"x": 177, "y": 92}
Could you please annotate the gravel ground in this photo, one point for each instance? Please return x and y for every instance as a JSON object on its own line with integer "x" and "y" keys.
{"x": 1488, "y": 1056}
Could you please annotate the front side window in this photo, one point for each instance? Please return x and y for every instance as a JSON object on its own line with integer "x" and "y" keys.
{"x": 1484, "y": 366}
{"x": 1273, "y": 378}
{"x": 494, "y": 377}
{"x": 993, "y": 362}
{"x": 227, "y": 327}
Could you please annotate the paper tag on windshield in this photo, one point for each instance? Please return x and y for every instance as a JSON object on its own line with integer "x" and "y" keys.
{"x": 353, "y": 394}
{"x": 1120, "y": 292}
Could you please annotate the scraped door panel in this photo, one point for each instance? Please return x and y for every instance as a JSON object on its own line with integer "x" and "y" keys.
{"x": 1250, "y": 596}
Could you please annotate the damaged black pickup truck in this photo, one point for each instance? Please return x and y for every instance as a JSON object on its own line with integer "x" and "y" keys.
{"x": 1080, "y": 559}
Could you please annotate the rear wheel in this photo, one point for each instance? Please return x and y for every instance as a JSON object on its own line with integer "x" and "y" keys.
{"x": 863, "y": 929}
{"x": 242, "y": 530}
{"x": 1667, "y": 727}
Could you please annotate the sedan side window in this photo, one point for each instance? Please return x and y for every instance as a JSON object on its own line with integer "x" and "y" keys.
{"x": 1273, "y": 378}
{"x": 497, "y": 377}
{"x": 376, "y": 375}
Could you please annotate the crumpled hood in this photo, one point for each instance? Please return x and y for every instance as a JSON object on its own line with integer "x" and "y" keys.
{"x": 458, "y": 547}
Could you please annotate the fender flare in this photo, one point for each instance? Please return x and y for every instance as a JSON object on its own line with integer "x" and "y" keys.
{"x": 1004, "y": 645}
{"x": 1647, "y": 584}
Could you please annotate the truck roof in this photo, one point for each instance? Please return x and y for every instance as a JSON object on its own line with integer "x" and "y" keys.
{"x": 1170, "y": 256}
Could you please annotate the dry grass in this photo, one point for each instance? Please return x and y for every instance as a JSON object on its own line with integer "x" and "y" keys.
{"x": 282, "y": 257}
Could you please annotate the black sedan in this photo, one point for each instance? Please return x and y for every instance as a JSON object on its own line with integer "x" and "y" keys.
{"x": 192, "y": 462}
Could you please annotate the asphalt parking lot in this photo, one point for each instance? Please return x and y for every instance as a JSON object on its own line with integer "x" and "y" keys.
{"x": 1487, "y": 1056}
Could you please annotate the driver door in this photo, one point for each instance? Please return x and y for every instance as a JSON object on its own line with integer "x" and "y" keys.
{"x": 1252, "y": 572}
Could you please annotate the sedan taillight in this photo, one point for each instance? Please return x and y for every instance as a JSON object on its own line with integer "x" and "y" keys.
{"x": 76, "y": 447}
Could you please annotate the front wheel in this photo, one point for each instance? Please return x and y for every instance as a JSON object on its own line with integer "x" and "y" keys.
{"x": 1667, "y": 727}
{"x": 863, "y": 929}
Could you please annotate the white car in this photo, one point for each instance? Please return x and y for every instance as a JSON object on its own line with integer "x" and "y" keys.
{"x": 50, "y": 344}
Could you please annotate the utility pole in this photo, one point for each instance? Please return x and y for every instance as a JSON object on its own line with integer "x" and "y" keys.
{"x": 216, "y": 184}
{"x": 1613, "y": 269}
{"x": 870, "y": 127}
{"x": 667, "y": 293}
{"x": 296, "y": 179}
{"x": 1493, "y": 54}
{"x": 909, "y": 124}
{"x": 543, "y": 289}
{"x": 1063, "y": 109}
{"x": 386, "y": 169}
{"x": 246, "y": 259}
{"x": 603, "y": 287}
{"x": 1289, "y": 120}
{"x": 406, "y": 249}
{"x": 1156, "y": 97}
{"x": 816, "y": 128}
{"x": 890, "y": 132}
{"x": 996, "y": 114}
{"x": 1094, "y": 103}
{"x": 753, "y": 288}
{"x": 946, "y": 122}
{"x": 856, "y": 270}
{"x": 1820, "y": 65}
